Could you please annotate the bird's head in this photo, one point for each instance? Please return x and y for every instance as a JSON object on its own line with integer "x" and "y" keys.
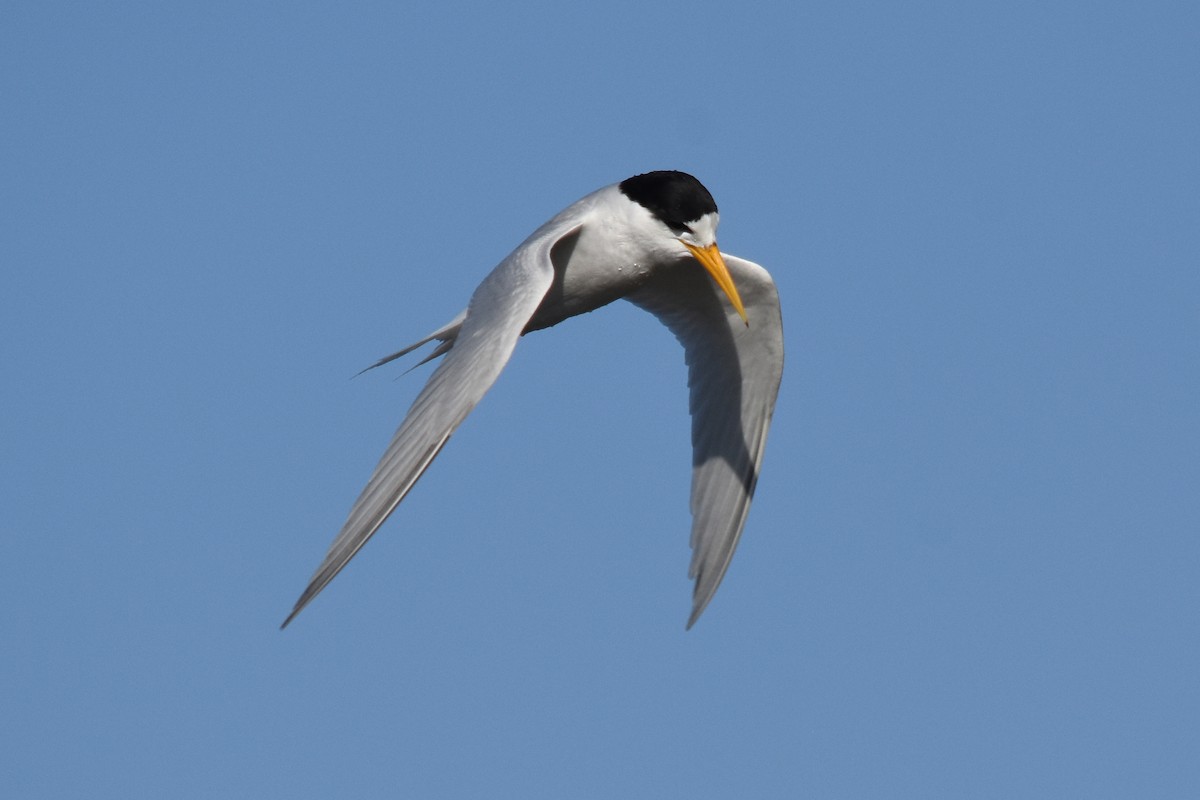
{"x": 688, "y": 213}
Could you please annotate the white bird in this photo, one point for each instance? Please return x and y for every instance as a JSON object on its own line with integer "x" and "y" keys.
{"x": 651, "y": 240}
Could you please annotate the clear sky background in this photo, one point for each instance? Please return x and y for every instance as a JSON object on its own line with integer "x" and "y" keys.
{"x": 973, "y": 565}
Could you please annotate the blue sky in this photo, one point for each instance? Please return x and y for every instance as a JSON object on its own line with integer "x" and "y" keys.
{"x": 972, "y": 568}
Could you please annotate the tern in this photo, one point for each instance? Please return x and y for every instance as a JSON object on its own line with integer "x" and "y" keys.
{"x": 651, "y": 240}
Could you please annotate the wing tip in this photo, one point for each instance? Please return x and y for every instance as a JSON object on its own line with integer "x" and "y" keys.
{"x": 296, "y": 609}
{"x": 698, "y": 607}
{"x": 319, "y": 582}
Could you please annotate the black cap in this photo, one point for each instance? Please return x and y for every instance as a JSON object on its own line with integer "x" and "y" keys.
{"x": 676, "y": 198}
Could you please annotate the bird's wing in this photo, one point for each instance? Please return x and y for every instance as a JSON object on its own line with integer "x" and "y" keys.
{"x": 733, "y": 375}
{"x": 495, "y": 317}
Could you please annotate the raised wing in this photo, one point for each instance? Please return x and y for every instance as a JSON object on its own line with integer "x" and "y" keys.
{"x": 482, "y": 344}
{"x": 733, "y": 374}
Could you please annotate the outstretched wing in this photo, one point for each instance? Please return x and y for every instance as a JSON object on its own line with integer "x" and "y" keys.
{"x": 733, "y": 374}
{"x": 498, "y": 312}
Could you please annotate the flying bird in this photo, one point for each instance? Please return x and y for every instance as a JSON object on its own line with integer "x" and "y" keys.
{"x": 651, "y": 240}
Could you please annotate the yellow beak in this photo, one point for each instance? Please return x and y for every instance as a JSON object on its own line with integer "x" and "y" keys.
{"x": 710, "y": 258}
